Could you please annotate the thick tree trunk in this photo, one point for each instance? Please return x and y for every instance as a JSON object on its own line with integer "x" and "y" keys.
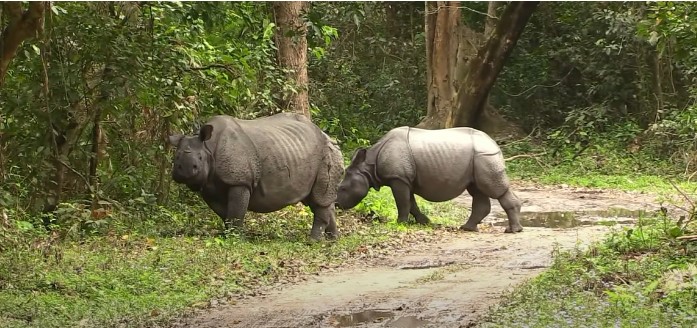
{"x": 442, "y": 43}
{"x": 22, "y": 25}
{"x": 483, "y": 69}
{"x": 450, "y": 49}
{"x": 291, "y": 41}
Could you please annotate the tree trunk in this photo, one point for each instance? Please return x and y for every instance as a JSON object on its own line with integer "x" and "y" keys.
{"x": 442, "y": 43}
{"x": 291, "y": 41}
{"x": 657, "y": 86}
{"x": 162, "y": 189}
{"x": 451, "y": 48}
{"x": 22, "y": 25}
{"x": 483, "y": 69}
{"x": 491, "y": 18}
{"x": 95, "y": 153}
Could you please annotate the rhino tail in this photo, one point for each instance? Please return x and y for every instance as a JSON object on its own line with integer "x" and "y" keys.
{"x": 329, "y": 175}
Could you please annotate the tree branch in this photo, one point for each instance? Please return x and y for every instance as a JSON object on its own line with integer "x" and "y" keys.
{"x": 212, "y": 66}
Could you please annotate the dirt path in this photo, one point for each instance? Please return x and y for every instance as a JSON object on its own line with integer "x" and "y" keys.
{"x": 450, "y": 284}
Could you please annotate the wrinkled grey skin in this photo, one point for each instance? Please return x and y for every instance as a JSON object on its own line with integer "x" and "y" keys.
{"x": 437, "y": 165}
{"x": 262, "y": 166}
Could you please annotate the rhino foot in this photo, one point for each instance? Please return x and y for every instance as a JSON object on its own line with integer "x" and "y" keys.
{"x": 465, "y": 227}
{"x": 422, "y": 219}
{"x": 513, "y": 229}
{"x": 315, "y": 238}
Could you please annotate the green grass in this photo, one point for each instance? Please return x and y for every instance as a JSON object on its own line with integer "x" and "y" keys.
{"x": 583, "y": 172}
{"x": 638, "y": 277}
{"x": 119, "y": 276}
{"x": 382, "y": 204}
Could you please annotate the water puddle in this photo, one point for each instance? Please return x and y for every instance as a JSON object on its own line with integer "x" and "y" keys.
{"x": 574, "y": 219}
{"x": 408, "y": 322}
{"x": 371, "y": 316}
{"x": 367, "y": 316}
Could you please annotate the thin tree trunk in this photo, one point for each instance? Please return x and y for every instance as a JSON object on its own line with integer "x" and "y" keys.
{"x": 657, "y": 85}
{"x": 483, "y": 69}
{"x": 162, "y": 190}
{"x": 491, "y": 18}
{"x": 23, "y": 24}
{"x": 291, "y": 41}
{"x": 95, "y": 151}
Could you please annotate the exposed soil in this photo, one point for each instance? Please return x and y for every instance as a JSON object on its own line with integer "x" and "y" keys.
{"x": 446, "y": 284}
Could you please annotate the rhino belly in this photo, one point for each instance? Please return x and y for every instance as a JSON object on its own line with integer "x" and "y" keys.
{"x": 279, "y": 188}
{"x": 435, "y": 190}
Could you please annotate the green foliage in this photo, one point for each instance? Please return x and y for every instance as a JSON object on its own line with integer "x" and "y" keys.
{"x": 371, "y": 77}
{"x": 145, "y": 71}
{"x": 640, "y": 276}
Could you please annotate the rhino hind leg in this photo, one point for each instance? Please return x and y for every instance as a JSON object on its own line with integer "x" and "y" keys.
{"x": 491, "y": 179}
{"x": 323, "y": 194}
{"x": 324, "y": 221}
{"x": 481, "y": 207}
{"x": 511, "y": 204}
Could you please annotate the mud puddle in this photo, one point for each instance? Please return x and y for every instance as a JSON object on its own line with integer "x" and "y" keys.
{"x": 447, "y": 284}
{"x": 362, "y": 318}
{"x": 573, "y": 219}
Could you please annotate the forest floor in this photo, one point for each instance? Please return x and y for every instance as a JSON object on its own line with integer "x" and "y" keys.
{"x": 448, "y": 283}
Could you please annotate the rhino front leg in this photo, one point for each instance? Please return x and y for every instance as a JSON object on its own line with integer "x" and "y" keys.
{"x": 416, "y": 212}
{"x": 401, "y": 193}
{"x": 238, "y": 201}
{"x": 481, "y": 206}
{"x": 511, "y": 204}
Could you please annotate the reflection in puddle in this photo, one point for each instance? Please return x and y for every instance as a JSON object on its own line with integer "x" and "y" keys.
{"x": 357, "y": 318}
{"x": 408, "y": 322}
{"x": 371, "y": 316}
{"x": 578, "y": 218}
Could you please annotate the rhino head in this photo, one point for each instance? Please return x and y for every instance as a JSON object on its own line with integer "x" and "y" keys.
{"x": 356, "y": 184}
{"x": 192, "y": 158}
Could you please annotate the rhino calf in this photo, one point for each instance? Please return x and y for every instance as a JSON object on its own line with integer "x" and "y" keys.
{"x": 437, "y": 165}
{"x": 262, "y": 166}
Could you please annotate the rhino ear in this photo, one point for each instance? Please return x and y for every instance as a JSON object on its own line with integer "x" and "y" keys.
{"x": 359, "y": 157}
{"x": 206, "y": 132}
{"x": 174, "y": 139}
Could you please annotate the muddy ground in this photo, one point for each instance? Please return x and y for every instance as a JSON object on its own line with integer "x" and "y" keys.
{"x": 451, "y": 283}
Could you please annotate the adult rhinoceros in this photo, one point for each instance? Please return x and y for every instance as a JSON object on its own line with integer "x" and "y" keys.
{"x": 437, "y": 165}
{"x": 261, "y": 165}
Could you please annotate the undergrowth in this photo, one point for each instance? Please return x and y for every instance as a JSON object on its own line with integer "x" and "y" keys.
{"x": 603, "y": 162}
{"x": 143, "y": 263}
{"x": 137, "y": 263}
{"x": 640, "y": 277}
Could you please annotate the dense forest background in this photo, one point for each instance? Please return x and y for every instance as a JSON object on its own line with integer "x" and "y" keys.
{"x": 88, "y": 98}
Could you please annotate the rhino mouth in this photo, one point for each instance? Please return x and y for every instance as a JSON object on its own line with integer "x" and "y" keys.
{"x": 346, "y": 204}
{"x": 193, "y": 181}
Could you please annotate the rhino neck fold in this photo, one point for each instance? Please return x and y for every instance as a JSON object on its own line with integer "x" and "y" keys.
{"x": 372, "y": 176}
